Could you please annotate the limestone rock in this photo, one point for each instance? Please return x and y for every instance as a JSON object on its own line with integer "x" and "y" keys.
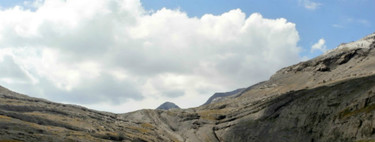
{"x": 330, "y": 98}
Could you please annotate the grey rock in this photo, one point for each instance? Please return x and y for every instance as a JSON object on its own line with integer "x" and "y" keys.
{"x": 330, "y": 98}
{"x": 220, "y": 96}
{"x": 168, "y": 106}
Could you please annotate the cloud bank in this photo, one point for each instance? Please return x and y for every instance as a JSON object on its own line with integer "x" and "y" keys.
{"x": 116, "y": 56}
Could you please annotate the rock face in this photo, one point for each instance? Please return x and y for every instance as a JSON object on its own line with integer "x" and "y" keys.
{"x": 330, "y": 98}
{"x": 168, "y": 106}
{"x": 217, "y": 97}
{"x": 343, "y": 111}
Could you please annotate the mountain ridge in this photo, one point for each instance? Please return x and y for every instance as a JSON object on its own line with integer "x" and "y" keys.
{"x": 328, "y": 98}
{"x": 222, "y": 95}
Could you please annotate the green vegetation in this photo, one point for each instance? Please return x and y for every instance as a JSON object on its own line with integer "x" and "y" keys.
{"x": 4, "y": 117}
{"x": 148, "y": 126}
{"x": 368, "y": 140}
{"x": 216, "y": 114}
{"x": 348, "y": 113}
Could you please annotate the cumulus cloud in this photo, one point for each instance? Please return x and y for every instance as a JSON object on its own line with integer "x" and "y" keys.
{"x": 308, "y": 4}
{"x": 319, "y": 46}
{"x": 116, "y": 56}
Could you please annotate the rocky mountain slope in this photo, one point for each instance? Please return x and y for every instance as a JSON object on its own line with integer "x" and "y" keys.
{"x": 217, "y": 97}
{"x": 168, "y": 106}
{"x": 328, "y": 98}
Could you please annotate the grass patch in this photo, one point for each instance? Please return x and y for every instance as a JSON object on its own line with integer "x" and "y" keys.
{"x": 368, "y": 140}
{"x": 4, "y": 117}
{"x": 148, "y": 126}
{"x": 216, "y": 114}
{"x": 346, "y": 113}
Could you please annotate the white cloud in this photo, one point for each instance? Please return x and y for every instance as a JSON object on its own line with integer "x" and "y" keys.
{"x": 338, "y": 26}
{"x": 117, "y": 55}
{"x": 308, "y": 4}
{"x": 320, "y": 46}
{"x": 362, "y": 22}
{"x": 352, "y": 21}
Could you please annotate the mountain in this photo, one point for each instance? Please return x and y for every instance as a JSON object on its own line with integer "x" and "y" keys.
{"x": 330, "y": 98}
{"x": 168, "y": 106}
{"x": 217, "y": 97}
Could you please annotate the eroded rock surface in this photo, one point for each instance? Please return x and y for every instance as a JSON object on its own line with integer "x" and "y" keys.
{"x": 328, "y": 98}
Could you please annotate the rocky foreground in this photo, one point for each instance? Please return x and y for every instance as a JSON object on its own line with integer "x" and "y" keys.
{"x": 328, "y": 98}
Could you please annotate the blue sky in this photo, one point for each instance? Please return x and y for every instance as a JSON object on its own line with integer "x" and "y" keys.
{"x": 124, "y": 55}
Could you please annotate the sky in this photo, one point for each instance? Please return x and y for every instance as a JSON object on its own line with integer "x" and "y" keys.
{"x": 124, "y": 55}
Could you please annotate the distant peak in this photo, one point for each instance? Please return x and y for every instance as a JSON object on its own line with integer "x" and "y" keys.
{"x": 167, "y": 106}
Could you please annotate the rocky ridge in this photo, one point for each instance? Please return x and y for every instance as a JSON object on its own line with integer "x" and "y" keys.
{"x": 328, "y": 98}
{"x": 217, "y": 97}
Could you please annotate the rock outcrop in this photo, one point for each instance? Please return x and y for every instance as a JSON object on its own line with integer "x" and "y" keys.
{"x": 327, "y": 99}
